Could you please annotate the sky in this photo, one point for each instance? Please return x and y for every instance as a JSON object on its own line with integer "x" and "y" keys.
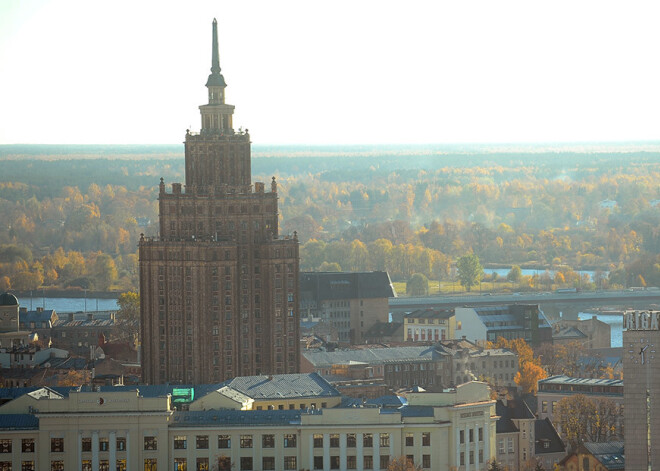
{"x": 332, "y": 72}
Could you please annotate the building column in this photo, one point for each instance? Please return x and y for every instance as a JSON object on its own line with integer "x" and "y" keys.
{"x": 487, "y": 440}
{"x": 457, "y": 446}
{"x": 128, "y": 450}
{"x": 467, "y": 448}
{"x": 342, "y": 451}
{"x": 326, "y": 451}
{"x": 311, "y": 451}
{"x": 376, "y": 449}
{"x": 113, "y": 450}
{"x": 476, "y": 446}
{"x": 360, "y": 452}
{"x": 80, "y": 451}
{"x": 391, "y": 448}
{"x": 95, "y": 449}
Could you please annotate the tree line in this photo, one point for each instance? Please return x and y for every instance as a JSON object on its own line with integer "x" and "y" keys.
{"x": 366, "y": 211}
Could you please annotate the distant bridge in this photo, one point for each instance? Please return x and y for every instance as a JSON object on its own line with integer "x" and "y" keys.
{"x": 569, "y": 304}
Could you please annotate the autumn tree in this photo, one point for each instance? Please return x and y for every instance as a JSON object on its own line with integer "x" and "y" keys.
{"x": 417, "y": 285}
{"x": 105, "y": 271}
{"x": 470, "y": 270}
{"x": 582, "y": 419}
{"x": 528, "y": 376}
{"x": 5, "y": 283}
{"x": 561, "y": 358}
{"x": 401, "y": 463}
{"x": 530, "y": 370}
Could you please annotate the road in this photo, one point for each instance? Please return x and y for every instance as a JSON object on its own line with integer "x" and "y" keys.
{"x": 618, "y": 297}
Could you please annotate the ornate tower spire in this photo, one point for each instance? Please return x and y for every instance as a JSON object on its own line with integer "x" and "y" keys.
{"x": 216, "y": 115}
{"x": 215, "y": 79}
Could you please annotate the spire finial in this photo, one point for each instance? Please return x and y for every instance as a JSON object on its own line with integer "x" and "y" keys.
{"x": 215, "y": 59}
{"x": 216, "y": 78}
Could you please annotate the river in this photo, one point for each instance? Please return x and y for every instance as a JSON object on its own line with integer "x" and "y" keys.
{"x": 61, "y": 305}
{"x": 616, "y": 326}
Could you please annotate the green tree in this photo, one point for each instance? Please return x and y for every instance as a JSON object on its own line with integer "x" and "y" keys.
{"x": 417, "y": 285}
{"x": 129, "y": 306}
{"x": 514, "y": 274}
{"x": 129, "y": 313}
{"x": 470, "y": 270}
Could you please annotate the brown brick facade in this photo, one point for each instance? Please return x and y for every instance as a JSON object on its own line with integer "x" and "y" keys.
{"x": 219, "y": 287}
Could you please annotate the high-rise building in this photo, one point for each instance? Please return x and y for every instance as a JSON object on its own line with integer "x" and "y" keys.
{"x": 219, "y": 285}
{"x": 641, "y": 340}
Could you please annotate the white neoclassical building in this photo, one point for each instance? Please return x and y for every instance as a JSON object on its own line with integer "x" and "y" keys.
{"x": 134, "y": 430}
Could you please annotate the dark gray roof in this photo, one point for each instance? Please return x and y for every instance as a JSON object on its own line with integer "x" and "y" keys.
{"x": 545, "y": 432}
{"x": 35, "y": 316}
{"x": 227, "y": 418}
{"x": 505, "y": 425}
{"x": 373, "y": 355}
{"x": 514, "y": 409}
{"x": 610, "y": 454}
{"x": 327, "y": 286}
{"x": 8, "y": 299}
{"x": 282, "y": 386}
{"x": 383, "y": 329}
{"x": 18, "y": 422}
{"x": 430, "y": 313}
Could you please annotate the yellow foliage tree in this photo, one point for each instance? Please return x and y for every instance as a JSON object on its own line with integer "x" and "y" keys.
{"x": 528, "y": 376}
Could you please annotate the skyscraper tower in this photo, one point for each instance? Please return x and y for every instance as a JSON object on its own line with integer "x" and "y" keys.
{"x": 219, "y": 286}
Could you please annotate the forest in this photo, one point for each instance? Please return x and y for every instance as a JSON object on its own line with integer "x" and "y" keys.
{"x": 72, "y": 215}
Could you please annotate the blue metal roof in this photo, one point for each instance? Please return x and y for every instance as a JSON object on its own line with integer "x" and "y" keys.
{"x": 416, "y": 411}
{"x": 18, "y": 422}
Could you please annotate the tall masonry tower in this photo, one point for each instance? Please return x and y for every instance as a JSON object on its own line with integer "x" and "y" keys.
{"x": 219, "y": 286}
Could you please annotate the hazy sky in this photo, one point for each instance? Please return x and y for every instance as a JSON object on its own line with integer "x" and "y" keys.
{"x": 335, "y": 72}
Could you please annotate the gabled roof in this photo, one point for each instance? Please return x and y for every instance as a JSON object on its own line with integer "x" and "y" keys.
{"x": 568, "y": 333}
{"x": 282, "y": 386}
{"x": 430, "y": 313}
{"x": 45, "y": 393}
{"x": 512, "y": 410}
{"x": 44, "y": 315}
{"x": 374, "y": 355}
{"x": 546, "y": 433}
